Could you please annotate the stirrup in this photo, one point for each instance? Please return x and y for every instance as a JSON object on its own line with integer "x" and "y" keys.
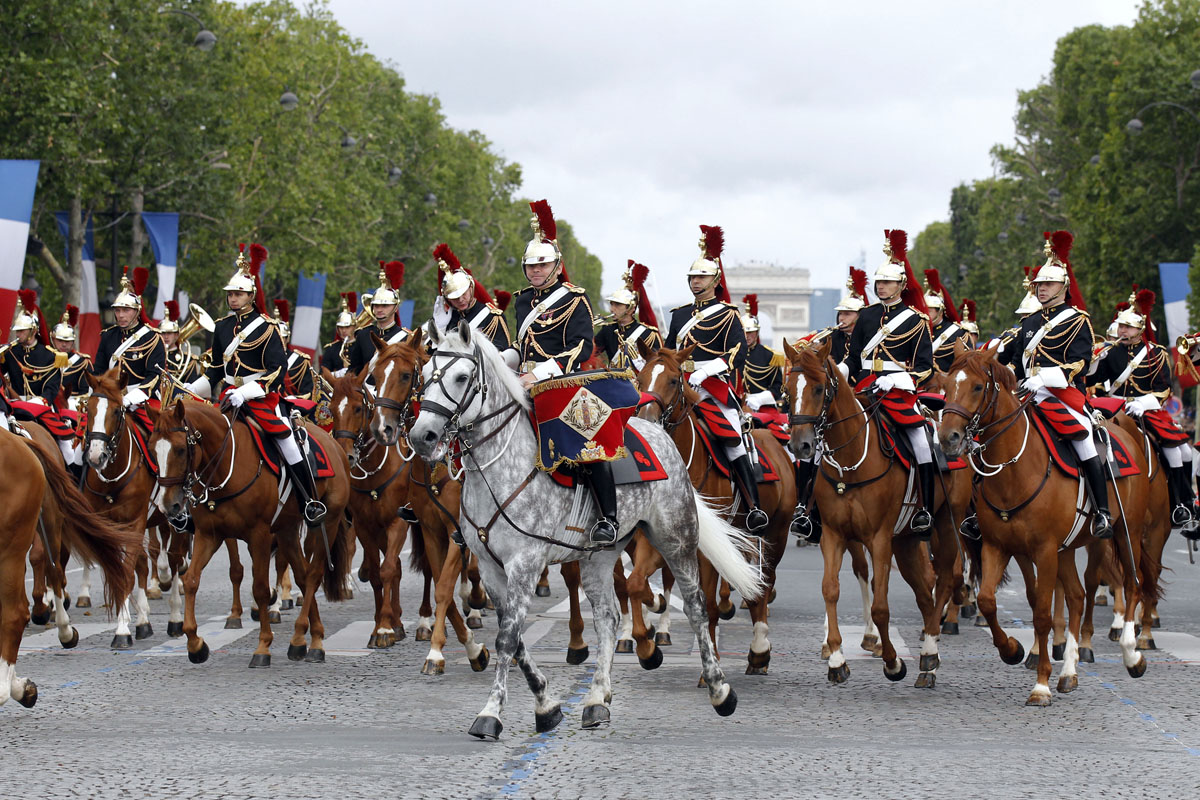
{"x": 970, "y": 527}
{"x": 314, "y": 512}
{"x": 921, "y": 522}
{"x": 802, "y": 526}
{"x": 756, "y": 520}
{"x": 1102, "y": 525}
{"x": 1180, "y": 515}
{"x": 457, "y": 537}
{"x": 604, "y": 532}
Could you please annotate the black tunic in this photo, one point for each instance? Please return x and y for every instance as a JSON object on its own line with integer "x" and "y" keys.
{"x": 261, "y": 352}
{"x": 561, "y": 332}
{"x": 908, "y": 345}
{"x": 840, "y": 345}
{"x": 337, "y": 354}
{"x": 720, "y": 335}
{"x": 487, "y": 319}
{"x": 764, "y": 371}
{"x": 72, "y": 375}
{"x": 943, "y": 354}
{"x": 362, "y": 350}
{"x": 299, "y": 380}
{"x": 1151, "y": 376}
{"x": 141, "y": 362}
{"x": 40, "y": 376}
{"x": 614, "y": 340}
{"x": 1067, "y": 345}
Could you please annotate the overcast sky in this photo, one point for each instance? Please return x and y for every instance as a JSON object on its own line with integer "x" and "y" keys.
{"x": 802, "y": 128}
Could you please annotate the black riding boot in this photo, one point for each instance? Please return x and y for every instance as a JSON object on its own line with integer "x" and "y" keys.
{"x": 306, "y": 493}
{"x": 1097, "y": 487}
{"x": 1182, "y": 497}
{"x": 600, "y": 477}
{"x": 802, "y": 522}
{"x": 969, "y": 527}
{"x": 922, "y": 521}
{"x": 743, "y": 471}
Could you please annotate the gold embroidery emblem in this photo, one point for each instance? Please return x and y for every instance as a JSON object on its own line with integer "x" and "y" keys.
{"x": 586, "y": 414}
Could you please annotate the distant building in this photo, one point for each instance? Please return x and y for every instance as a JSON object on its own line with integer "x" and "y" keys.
{"x": 783, "y": 298}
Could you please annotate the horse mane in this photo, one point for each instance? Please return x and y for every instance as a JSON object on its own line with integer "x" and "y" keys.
{"x": 672, "y": 357}
{"x": 109, "y": 384}
{"x": 491, "y": 356}
{"x": 975, "y": 358}
{"x": 347, "y": 384}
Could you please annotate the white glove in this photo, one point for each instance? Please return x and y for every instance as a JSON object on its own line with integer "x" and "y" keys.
{"x": 235, "y": 398}
{"x": 885, "y": 383}
{"x": 546, "y": 369}
{"x": 200, "y": 386}
{"x": 706, "y": 369}
{"x": 696, "y": 378}
{"x": 1033, "y": 383}
{"x": 134, "y": 396}
{"x": 37, "y": 398}
{"x": 759, "y": 399}
{"x": 512, "y": 358}
{"x": 248, "y": 391}
{"x": 441, "y": 314}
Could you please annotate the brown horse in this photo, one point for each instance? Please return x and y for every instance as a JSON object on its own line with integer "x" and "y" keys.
{"x": 210, "y": 466}
{"x": 673, "y": 404}
{"x": 860, "y": 492}
{"x": 48, "y": 559}
{"x": 1021, "y": 511}
{"x": 37, "y": 483}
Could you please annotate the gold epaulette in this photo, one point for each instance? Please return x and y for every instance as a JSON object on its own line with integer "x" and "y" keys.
{"x": 573, "y": 288}
{"x": 921, "y": 315}
{"x": 60, "y": 359}
{"x": 777, "y": 359}
{"x": 495, "y": 309}
{"x": 685, "y": 305}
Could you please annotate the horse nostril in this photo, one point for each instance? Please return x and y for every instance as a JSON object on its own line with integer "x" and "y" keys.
{"x": 429, "y": 437}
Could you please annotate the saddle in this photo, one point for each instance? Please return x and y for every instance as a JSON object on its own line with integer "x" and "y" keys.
{"x": 314, "y": 453}
{"x": 1062, "y": 453}
{"x": 774, "y": 421}
{"x": 639, "y": 464}
{"x": 764, "y": 471}
{"x": 45, "y": 416}
{"x": 901, "y": 447}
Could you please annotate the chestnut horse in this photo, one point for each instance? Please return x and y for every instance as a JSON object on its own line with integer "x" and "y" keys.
{"x": 209, "y": 466}
{"x": 36, "y": 482}
{"x": 1024, "y": 507}
{"x": 673, "y": 405}
{"x": 859, "y": 490}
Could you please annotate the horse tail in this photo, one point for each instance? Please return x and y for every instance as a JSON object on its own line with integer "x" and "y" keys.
{"x": 726, "y": 548}
{"x": 1149, "y": 571}
{"x": 341, "y": 552}
{"x": 418, "y": 558}
{"x": 974, "y": 549}
{"x": 94, "y": 538}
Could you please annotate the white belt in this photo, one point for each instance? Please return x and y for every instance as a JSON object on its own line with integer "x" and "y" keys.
{"x": 890, "y": 366}
{"x": 241, "y": 380}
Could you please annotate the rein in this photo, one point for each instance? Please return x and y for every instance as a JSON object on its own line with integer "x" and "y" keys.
{"x": 822, "y": 424}
{"x": 202, "y": 477}
{"x": 111, "y": 450}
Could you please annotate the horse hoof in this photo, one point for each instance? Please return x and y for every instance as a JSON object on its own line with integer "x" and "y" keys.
{"x": 287, "y": 605}
{"x": 1086, "y": 655}
{"x": 826, "y": 652}
{"x": 728, "y": 705}
{"x": 274, "y": 617}
{"x": 28, "y": 697}
{"x": 260, "y": 660}
{"x": 1114, "y": 634}
{"x": 423, "y": 634}
{"x": 399, "y": 635}
{"x": 231, "y": 623}
{"x": 1138, "y": 669}
{"x": 1031, "y": 661}
{"x": 593, "y": 716}
{"x": 478, "y": 604}
{"x": 657, "y": 605}
{"x": 297, "y": 652}
{"x": 771, "y": 599}
{"x": 480, "y": 662}
{"x": 654, "y": 661}
{"x": 153, "y": 592}
{"x": 486, "y": 728}
{"x": 930, "y": 662}
{"x": 83, "y": 602}
{"x": 122, "y": 641}
{"x": 1058, "y": 651}
{"x": 315, "y": 656}
{"x": 143, "y": 631}
{"x": 542, "y": 591}
{"x": 758, "y": 661}
{"x": 166, "y": 587}
{"x": 877, "y": 650}
{"x": 950, "y": 628}
{"x": 981, "y": 621}
{"x": 1039, "y": 700}
{"x": 900, "y": 673}
{"x": 73, "y": 641}
{"x": 374, "y": 642}
{"x": 40, "y": 619}
{"x": 254, "y": 615}
{"x": 839, "y": 674}
{"x": 175, "y": 629}
{"x": 200, "y": 656}
{"x": 926, "y": 680}
{"x": 726, "y": 613}
{"x": 577, "y": 656}
{"x": 363, "y": 574}
{"x": 1102, "y": 600}
{"x": 474, "y": 623}
{"x": 663, "y": 639}
{"x": 701, "y": 684}
{"x": 431, "y": 667}
{"x": 753, "y": 670}
{"x": 544, "y": 723}
{"x": 968, "y": 610}
{"x": 1067, "y": 684}
{"x": 1147, "y": 644}
{"x": 624, "y": 646}
{"x": 1018, "y": 653}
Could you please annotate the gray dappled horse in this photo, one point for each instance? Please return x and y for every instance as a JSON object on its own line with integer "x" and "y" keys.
{"x": 513, "y": 517}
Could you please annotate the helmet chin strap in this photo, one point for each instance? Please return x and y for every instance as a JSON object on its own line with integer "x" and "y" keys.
{"x": 1061, "y": 293}
{"x": 712, "y": 286}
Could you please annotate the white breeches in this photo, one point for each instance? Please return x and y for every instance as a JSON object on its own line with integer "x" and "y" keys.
{"x": 72, "y": 453}
{"x": 920, "y": 444}
{"x": 1084, "y": 448}
{"x": 287, "y": 444}
{"x": 735, "y": 421}
{"x": 1177, "y": 455}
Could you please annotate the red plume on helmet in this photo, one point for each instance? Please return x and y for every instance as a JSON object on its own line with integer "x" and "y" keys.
{"x": 912, "y": 296}
{"x": 481, "y": 294}
{"x": 172, "y": 310}
{"x": 443, "y": 253}
{"x": 969, "y": 313}
{"x": 258, "y": 256}
{"x": 714, "y": 246}
{"x": 934, "y": 279}
{"x": 1060, "y": 245}
{"x": 72, "y": 315}
{"x": 351, "y": 299}
{"x": 28, "y": 299}
{"x": 141, "y": 279}
{"x": 394, "y": 270}
{"x": 751, "y": 301}
{"x": 1145, "y": 306}
{"x": 283, "y": 310}
{"x": 545, "y": 218}
{"x": 858, "y": 280}
{"x": 645, "y": 311}
{"x": 503, "y": 298}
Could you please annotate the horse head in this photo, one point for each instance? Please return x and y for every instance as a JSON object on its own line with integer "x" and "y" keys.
{"x": 812, "y": 385}
{"x": 973, "y": 385}
{"x": 105, "y": 415}
{"x": 179, "y": 443}
{"x": 351, "y": 415}
{"x": 396, "y": 370}
{"x": 661, "y": 379}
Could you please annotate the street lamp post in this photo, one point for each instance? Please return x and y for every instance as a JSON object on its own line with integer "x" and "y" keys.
{"x": 205, "y": 40}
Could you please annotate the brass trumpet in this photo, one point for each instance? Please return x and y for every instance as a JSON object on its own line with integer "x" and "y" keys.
{"x": 197, "y": 319}
{"x": 365, "y": 318}
{"x": 823, "y": 334}
{"x": 1185, "y": 344}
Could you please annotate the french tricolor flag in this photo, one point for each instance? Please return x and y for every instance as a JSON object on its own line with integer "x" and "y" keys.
{"x": 163, "y": 229}
{"x": 306, "y": 319}
{"x": 18, "y": 180}
{"x": 87, "y": 334}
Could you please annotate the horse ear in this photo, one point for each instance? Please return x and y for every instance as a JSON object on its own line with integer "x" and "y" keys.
{"x": 435, "y": 335}
{"x": 790, "y": 351}
{"x": 91, "y": 379}
{"x": 153, "y": 413}
{"x": 464, "y": 331}
{"x": 178, "y": 409}
{"x": 327, "y": 375}
{"x": 644, "y": 349}
{"x": 419, "y": 350}
{"x": 686, "y": 352}
{"x": 122, "y": 379}
{"x": 960, "y": 349}
{"x": 379, "y": 343}
{"x": 825, "y": 349}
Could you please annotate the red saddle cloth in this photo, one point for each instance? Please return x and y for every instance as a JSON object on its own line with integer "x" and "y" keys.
{"x": 1109, "y": 407}
{"x": 1162, "y": 426}
{"x": 639, "y": 465}
{"x": 1062, "y": 453}
{"x": 775, "y": 421}
{"x": 1054, "y": 412}
{"x": 714, "y": 421}
{"x": 899, "y": 405}
{"x": 262, "y": 411}
{"x": 318, "y": 459}
{"x": 900, "y": 447}
{"x": 769, "y": 475}
{"x": 47, "y": 417}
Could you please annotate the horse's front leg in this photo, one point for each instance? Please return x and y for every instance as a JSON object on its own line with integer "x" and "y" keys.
{"x": 914, "y": 568}
{"x": 1068, "y": 578}
{"x": 236, "y": 573}
{"x": 881, "y": 563}
{"x": 577, "y": 649}
{"x": 596, "y": 578}
{"x": 204, "y": 546}
{"x": 1043, "y": 620}
{"x": 510, "y": 595}
{"x": 833, "y": 550}
{"x": 260, "y": 570}
{"x": 992, "y": 562}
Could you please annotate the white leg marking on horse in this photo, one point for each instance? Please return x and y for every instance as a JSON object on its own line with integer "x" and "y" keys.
{"x": 1070, "y": 656}
{"x": 123, "y": 619}
{"x": 8, "y": 680}
{"x": 664, "y": 619}
{"x": 425, "y": 623}
{"x": 85, "y": 584}
{"x": 1118, "y": 621}
{"x": 164, "y": 565}
{"x": 61, "y": 619}
{"x": 929, "y": 645}
{"x": 760, "y": 643}
{"x": 95, "y": 450}
{"x": 626, "y": 627}
{"x": 475, "y": 613}
{"x": 142, "y": 604}
{"x": 435, "y": 655}
{"x": 175, "y": 601}
{"x": 869, "y": 628}
{"x": 722, "y": 694}
{"x": 1129, "y": 653}
{"x": 837, "y": 658}
{"x": 474, "y": 648}
{"x": 1041, "y": 689}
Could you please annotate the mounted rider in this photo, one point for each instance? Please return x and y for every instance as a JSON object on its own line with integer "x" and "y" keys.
{"x": 62, "y": 339}
{"x": 1051, "y": 354}
{"x": 805, "y": 524}
{"x": 298, "y": 372}
{"x": 387, "y": 325}
{"x": 180, "y": 362}
{"x": 464, "y": 298}
{"x": 633, "y": 322}
{"x": 246, "y": 369}
{"x": 969, "y": 321}
{"x": 134, "y": 345}
{"x": 33, "y": 371}
{"x": 763, "y": 371}
{"x": 891, "y": 352}
{"x": 712, "y": 325}
{"x": 944, "y": 324}
{"x": 1138, "y": 369}
{"x": 336, "y": 355}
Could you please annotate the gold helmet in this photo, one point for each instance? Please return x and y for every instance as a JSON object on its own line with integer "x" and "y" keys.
{"x": 712, "y": 243}
{"x": 345, "y": 317}
{"x": 1029, "y": 303}
{"x": 895, "y": 248}
{"x": 969, "y": 320}
{"x": 626, "y": 294}
{"x": 131, "y": 292}
{"x": 456, "y": 281}
{"x": 1137, "y": 315}
{"x": 170, "y": 323}
{"x": 543, "y": 249}
{"x": 243, "y": 279}
{"x": 391, "y": 278}
{"x": 26, "y": 317}
{"x": 283, "y": 318}
{"x": 64, "y": 331}
{"x": 750, "y": 318}
{"x": 856, "y": 300}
